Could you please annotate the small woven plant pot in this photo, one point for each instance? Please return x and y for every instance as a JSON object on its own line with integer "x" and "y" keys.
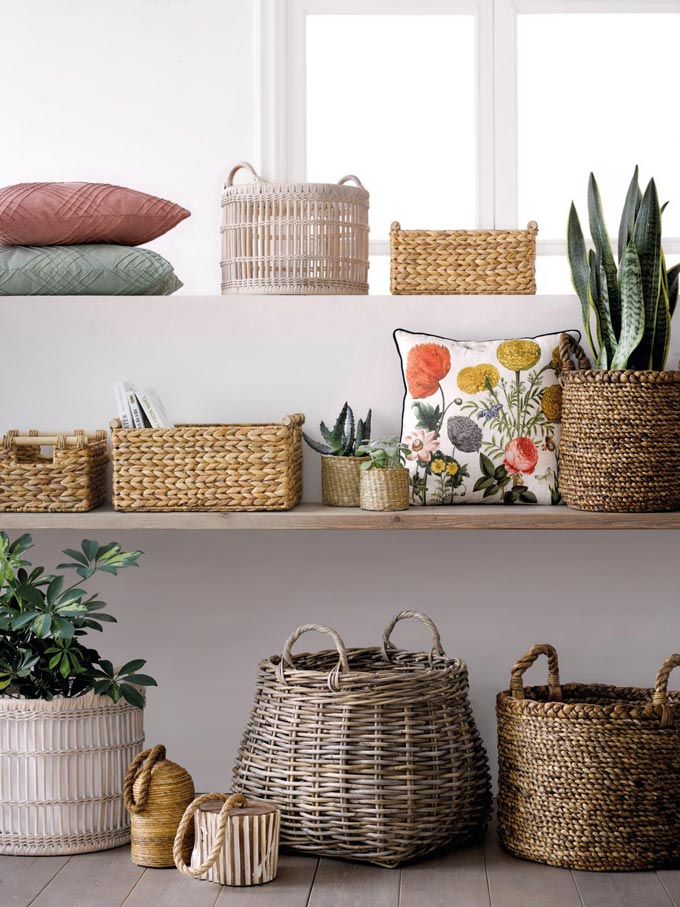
{"x": 72, "y": 479}
{"x": 384, "y": 489}
{"x": 371, "y": 754}
{"x": 208, "y": 467}
{"x": 157, "y": 792}
{"x": 340, "y": 477}
{"x": 589, "y": 774}
{"x": 62, "y": 765}
{"x": 462, "y": 262}
{"x": 620, "y": 443}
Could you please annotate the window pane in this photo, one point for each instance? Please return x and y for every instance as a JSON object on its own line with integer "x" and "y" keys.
{"x": 392, "y": 99}
{"x": 593, "y": 94}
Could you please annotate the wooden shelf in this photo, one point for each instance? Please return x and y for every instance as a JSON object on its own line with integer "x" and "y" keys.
{"x": 315, "y": 516}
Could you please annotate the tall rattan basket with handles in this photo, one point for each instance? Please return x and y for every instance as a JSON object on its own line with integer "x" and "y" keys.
{"x": 294, "y": 238}
{"x": 589, "y": 774}
{"x": 620, "y": 441}
{"x": 372, "y": 754}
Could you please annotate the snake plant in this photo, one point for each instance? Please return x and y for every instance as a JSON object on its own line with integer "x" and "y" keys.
{"x": 631, "y": 305}
{"x": 344, "y": 438}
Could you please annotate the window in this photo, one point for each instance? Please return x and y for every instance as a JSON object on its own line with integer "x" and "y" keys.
{"x": 474, "y": 113}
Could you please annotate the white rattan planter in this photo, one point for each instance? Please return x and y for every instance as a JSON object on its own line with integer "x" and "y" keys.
{"x": 62, "y": 765}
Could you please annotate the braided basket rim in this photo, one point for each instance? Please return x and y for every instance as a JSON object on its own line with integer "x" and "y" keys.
{"x": 604, "y": 702}
{"x": 620, "y": 376}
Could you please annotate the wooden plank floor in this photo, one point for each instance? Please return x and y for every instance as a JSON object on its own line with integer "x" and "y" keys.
{"x": 481, "y": 876}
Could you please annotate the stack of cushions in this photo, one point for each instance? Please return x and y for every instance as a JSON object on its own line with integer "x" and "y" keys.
{"x": 78, "y": 239}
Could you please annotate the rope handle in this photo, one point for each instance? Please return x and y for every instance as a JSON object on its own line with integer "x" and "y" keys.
{"x": 660, "y": 695}
{"x": 389, "y": 647}
{"x": 150, "y": 758}
{"x": 570, "y": 349}
{"x": 351, "y": 176}
{"x": 287, "y": 654}
{"x": 231, "y": 802}
{"x": 242, "y": 165}
{"x": 554, "y": 688}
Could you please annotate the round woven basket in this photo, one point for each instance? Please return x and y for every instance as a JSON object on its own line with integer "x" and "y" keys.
{"x": 340, "y": 480}
{"x": 620, "y": 443}
{"x": 384, "y": 489}
{"x": 371, "y": 754}
{"x": 589, "y": 774}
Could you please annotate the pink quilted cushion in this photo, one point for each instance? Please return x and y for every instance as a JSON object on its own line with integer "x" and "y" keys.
{"x": 63, "y": 214}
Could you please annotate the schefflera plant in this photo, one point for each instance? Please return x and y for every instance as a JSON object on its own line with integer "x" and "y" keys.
{"x": 631, "y": 306}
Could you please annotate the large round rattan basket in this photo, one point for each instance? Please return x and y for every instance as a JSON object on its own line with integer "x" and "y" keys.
{"x": 589, "y": 774}
{"x": 620, "y": 442}
{"x": 62, "y": 766}
{"x": 371, "y": 754}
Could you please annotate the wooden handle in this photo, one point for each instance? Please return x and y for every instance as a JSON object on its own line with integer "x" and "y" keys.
{"x": 389, "y": 647}
{"x": 554, "y": 688}
{"x": 295, "y": 419}
{"x": 395, "y": 226}
{"x": 149, "y": 758}
{"x": 570, "y": 349}
{"x": 231, "y": 802}
{"x": 350, "y": 176}
{"x": 660, "y": 696}
{"x": 242, "y": 165}
{"x": 532, "y": 227}
{"x": 287, "y": 655}
{"x": 33, "y": 438}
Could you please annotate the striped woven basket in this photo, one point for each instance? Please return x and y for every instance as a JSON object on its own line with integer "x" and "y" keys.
{"x": 62, "y": 766}
{"x": 461, "y": 262}
{"x": 371, "y": 754}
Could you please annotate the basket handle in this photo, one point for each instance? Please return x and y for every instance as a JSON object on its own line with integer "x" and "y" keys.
{"x": 294, "y": 420}
{"x": 287, "y": 655}
{"x": 350, "y": 176}
{"x": 389, "y": 647}
{"x": 554, "y": 688}
{"x": 532, "y": 227}
{"x": 152, "y": 756}
{"x": 242, "y": 165}
{"x": 78, "y": 439}
{"x": 570, "y": 349}
{"x": 660, "y": 695}
{"x": 231, "y": 802}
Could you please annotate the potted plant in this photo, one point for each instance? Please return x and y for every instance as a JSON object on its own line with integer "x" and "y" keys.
{"x": 385, "y": 482}
{"x": 70, "y": 723}
{"x": 340, "y": 462}
{"x": 620, "y": 446}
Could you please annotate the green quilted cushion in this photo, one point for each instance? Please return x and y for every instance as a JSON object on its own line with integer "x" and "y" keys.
{"x": 84, "y": 270}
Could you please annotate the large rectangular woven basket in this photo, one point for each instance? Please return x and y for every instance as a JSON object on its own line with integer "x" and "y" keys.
{"x": 70, "y": 479}
{"x": 462, "y": 262}
{"x": 299, "y": 238}
{"x": 208, "y": 467}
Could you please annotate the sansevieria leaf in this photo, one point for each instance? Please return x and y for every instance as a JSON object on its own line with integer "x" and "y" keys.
{"x": 604, "y": 316}
{"x": 632, "y": 308}
{"x": 647, "y": 239}
{"x": 598, "y": 231}
{"x": 576, "y": 250}
{"x": 631, "y": 206}
{"x": 673, "y": 284}
{"x": 662, "y": 328}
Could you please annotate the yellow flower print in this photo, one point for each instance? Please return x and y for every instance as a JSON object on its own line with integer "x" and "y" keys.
{"x": 437, "y": 466}
{"x": 551, "y": 402}
{"x": 473, "y": 379}
{"x": 556, "y": 360}
{"x": 452, "y": 468}
{"x": 518, "y": 355}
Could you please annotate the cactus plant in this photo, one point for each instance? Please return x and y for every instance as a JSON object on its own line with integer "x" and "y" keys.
{"x": 344, "y": 439}
{"x": 632, "y": 305}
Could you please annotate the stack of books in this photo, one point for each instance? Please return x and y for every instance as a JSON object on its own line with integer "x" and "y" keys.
{"x": 139, "y": 407}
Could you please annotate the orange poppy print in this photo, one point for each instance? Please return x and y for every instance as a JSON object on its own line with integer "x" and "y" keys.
{"x": 427, "y": 364}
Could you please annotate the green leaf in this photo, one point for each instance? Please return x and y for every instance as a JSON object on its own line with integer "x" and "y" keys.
{"x": 30, "y": 595}
{"x": 131, "y": 666}
{"x": 631, "y": 206}
{"x": 528, "y": 497}
{"x": 142, "y": 680}
{"x": 487, "y": 465}
{"x": 76, "y": 556}
{"x": 24, "y": 618}
{"x": 133, "y": 696}
{"x": 604, "y": 317}
{"x": 428, "y": 416}
{"x": 90, "y": 549}
{"x": 106, "y": 667}
{"x": 65, "y": 666}
{"x": 647, "y": 240}
{"x": 673, "y": 283}
{"x": 62, "y": 629}
{"x": 483, "y": 482}
{"x": 662, "y": 331}
{"x": 632, "y": 308}
{"x": 600, "y": 236}
{"x": 492, "y": 490}
{"x": 41, "y": 625}
{"x": 18, "y": 546}
{"x": 315, "y": 445}
{"x": 578, "y": 262}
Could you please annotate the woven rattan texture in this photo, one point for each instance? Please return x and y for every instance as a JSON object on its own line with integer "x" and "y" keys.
{"x": 460, "y": 262}
{"x": 157, "y": 791}
{"x": 591, "y": 781}
{"x": 208, "y": 467}
{"x": 72, "y": 480}
{"x": 372, "y": 754}
{"x": 340, "y": 481}
{"x": 384, "y": 489}
{"x": 300, "y": 238}
{"x": 620, "y": 444}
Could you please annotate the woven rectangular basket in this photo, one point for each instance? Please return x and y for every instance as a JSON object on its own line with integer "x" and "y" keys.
{"x": 71, "y": 479}
{"x": 299, "y": 238}
{"x": 208, "y": 467}
{"x": 463, "y": 262}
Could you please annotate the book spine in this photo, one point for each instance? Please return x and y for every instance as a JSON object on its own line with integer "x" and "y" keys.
{"x": 131, "y": 397}
{"x": 124, "y": 413}
{"x": 154, "y": 409}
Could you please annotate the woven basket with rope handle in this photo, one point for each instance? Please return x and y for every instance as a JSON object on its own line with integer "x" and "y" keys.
{"x": 589, "y": 774}
{"x": 620, "y": 443}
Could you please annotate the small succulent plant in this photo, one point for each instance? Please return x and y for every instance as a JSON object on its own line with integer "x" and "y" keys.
{"x": 384, "y": 453}
{"x": 344, "y": 439}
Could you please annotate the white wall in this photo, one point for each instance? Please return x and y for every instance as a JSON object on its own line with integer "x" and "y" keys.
{"x": 152, "y": 94}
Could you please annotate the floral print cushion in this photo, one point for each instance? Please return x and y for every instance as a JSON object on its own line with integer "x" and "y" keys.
{"x": 482, "y": 419}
